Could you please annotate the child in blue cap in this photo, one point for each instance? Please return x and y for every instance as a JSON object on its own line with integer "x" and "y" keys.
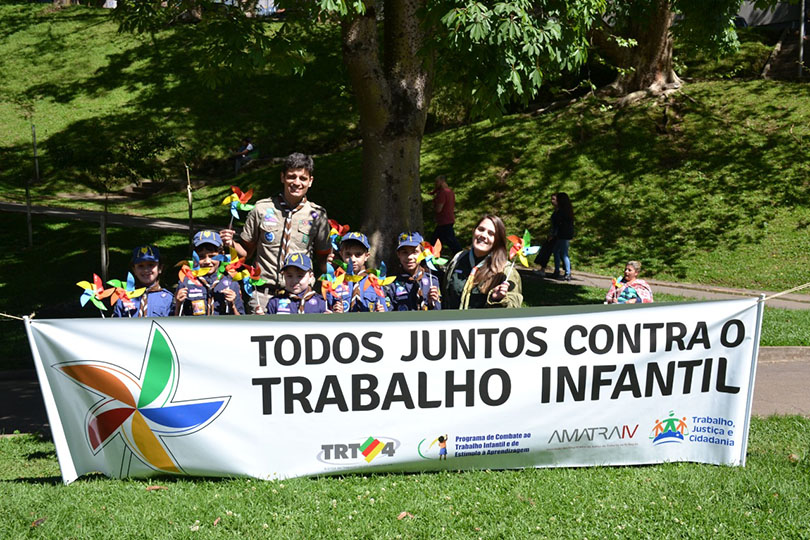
{"x": 298, "y": 296}
{"x": 414, "y": 289}
{"x": 355, "y": 293}
{"x": 212, "y": 294}
{"x": 155, "y": 301}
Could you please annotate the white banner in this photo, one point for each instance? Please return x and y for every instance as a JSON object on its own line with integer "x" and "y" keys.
{"x": 285, "y": 396}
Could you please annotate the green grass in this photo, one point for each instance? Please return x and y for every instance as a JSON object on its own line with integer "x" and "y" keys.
{"x": 766, "y": 499}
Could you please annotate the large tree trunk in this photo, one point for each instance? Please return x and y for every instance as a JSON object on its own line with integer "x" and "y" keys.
{"x": 393, "y": 92}
{"x": 647, "y": 66}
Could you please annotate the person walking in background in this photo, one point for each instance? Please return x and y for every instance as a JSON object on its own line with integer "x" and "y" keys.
{"x": 562, "y": 224}
{"x": 444, "y": 210}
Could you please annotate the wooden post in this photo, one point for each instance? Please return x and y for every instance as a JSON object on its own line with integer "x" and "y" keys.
{"x": 28, "y": 188}
{"x": 105, "y": 263}
{"x": 803, "y": 12}
{"x": 190, "y": 207}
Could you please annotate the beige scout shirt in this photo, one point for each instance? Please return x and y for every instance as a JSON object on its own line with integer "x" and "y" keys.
{"x": 264, "y": 227}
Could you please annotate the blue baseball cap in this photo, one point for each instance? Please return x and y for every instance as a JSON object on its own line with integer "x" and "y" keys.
{"x": 207, "y": 237}
{"x": 145, "y": 254}
{"x": 298, "y": 260}
{"x": 409, "y": 239}
{"x": 355, "y": 237}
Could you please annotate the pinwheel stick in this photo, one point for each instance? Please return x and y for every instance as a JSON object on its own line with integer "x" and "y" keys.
{"x": 511, "y": 267}
{"x": 230, "y": 223}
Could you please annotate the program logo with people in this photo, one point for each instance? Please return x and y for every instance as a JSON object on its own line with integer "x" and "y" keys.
{"x": 669, "y": 430}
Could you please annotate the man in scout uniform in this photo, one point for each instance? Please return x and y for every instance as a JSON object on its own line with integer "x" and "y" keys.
{"x": 281, "y": 225}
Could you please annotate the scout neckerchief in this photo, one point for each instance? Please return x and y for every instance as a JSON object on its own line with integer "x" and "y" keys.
{"x": 356, "y": 290}
{"x": 288, "y": 215}
{"x": 209, "y": 301}
{"x": 468, "y": 285}
{"x": 302, "y": 299}
{"x": 416, "y": 278}
{"x": 145, "y": 299}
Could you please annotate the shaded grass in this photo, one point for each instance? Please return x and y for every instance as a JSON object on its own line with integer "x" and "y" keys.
{"x": 767, "y": 498}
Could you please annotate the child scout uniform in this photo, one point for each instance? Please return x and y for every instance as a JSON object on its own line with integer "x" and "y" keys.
{"x": 208, "y": 296}
{"x": 308, "y": 302}
{"x": 357, "y": 295}
{"x": 410, "y": 292}
{"x": 155, "y": 301}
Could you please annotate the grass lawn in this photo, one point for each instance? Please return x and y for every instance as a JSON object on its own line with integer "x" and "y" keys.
{"x": 769, "y": 498}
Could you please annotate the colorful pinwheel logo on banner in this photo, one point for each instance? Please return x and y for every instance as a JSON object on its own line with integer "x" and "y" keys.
{"x": 238, "y": 201}
{"x": 141, "y": 409}
{"x": 377, "y": 280}
{"x": 336, "y": 233}
{"x": 520, "y": 250}
{"x": 94, "y": 292}
{"x": 330, "y": 281}
{"x": 124, "y": 291}
{"x": 432, "y": 255}
{"x": 250, "y": 276}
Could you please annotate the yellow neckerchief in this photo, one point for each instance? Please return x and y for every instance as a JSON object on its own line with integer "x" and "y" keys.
{"x": 468, "y": 285}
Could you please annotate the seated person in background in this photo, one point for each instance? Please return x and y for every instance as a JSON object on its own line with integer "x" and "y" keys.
{"x": 628, "y": 289}
{"x": 298, "y": 296}
{"x": 155, "y": 301}
{"x": 414, "y": 289}
{"x": 242, "y": 155}
{"x": 357, "y": 295}
{"x": 212, "y": 295}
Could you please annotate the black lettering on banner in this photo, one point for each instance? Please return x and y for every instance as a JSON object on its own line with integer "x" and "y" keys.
{"x": 262, "y": 341}
{"x": 414, "y": 347}
{"x": 487, "y": 333}
{"x": 598, "y": 381}
{"x": 373, "y": 347}
{"x": 721, "y": 378}
{"x": 653, "y": 328}
{"x": 369, "y": 390}
{"x": 457, "y": 342}
{"x": 707, "y": 375}
{"x": 627, "y": 372}
{"x": 278, "y": 350}
{"x": 309, "y": 341}
{"x": 354, "y": 348}
{"x": 633, "y": 343}
{"x": 689, "y": 366}
{"x": 331, "y": 383}
{"x": 424, "y": 403}
{"x": 569, "y": 347}
{"x": 468, "y": 387}
{"x": 534, "y": 340}
{"x": 506, "y": 387}
{"x": 398, "y": 391}
{"x": 740, "y": 333}
{"x": 267, "y": 399}
{"x": 675, "y": 337}
{"x": 545, "y": 390}
{"x": 426, "y": 345}
{"x": 701, "y": 335}
{"x": 301, "y": 396}
{"x": 664, "y": 386}
{"x": 608, "y": 339}
{"x": 577, "y": 389}
{"x": 503, "y": 339}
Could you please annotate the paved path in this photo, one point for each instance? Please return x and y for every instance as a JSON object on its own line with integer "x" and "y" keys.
{"x": 783, "y": 374}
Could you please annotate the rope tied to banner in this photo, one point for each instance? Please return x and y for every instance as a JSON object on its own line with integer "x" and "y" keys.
{"x": 794, "y": 289}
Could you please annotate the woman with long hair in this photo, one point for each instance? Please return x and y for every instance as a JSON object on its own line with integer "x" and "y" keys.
{"x": 562, "y": 226}
{"x": 477, "y": 277}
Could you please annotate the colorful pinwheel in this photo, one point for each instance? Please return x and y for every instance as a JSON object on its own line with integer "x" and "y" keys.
{"x": 336, "y": 233}
{"x": 191, "y": 269}
{"x": 330, "y": 281}
{"x": 520, "y": 250}
{"x": 124, "y": 291}
{"x": 377, "y": 280}
{"x": 238, "y": 201}
{"x": 250, "y": 276}
{"x": 432, "y": 255}
{"x": 94, "y": 292}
